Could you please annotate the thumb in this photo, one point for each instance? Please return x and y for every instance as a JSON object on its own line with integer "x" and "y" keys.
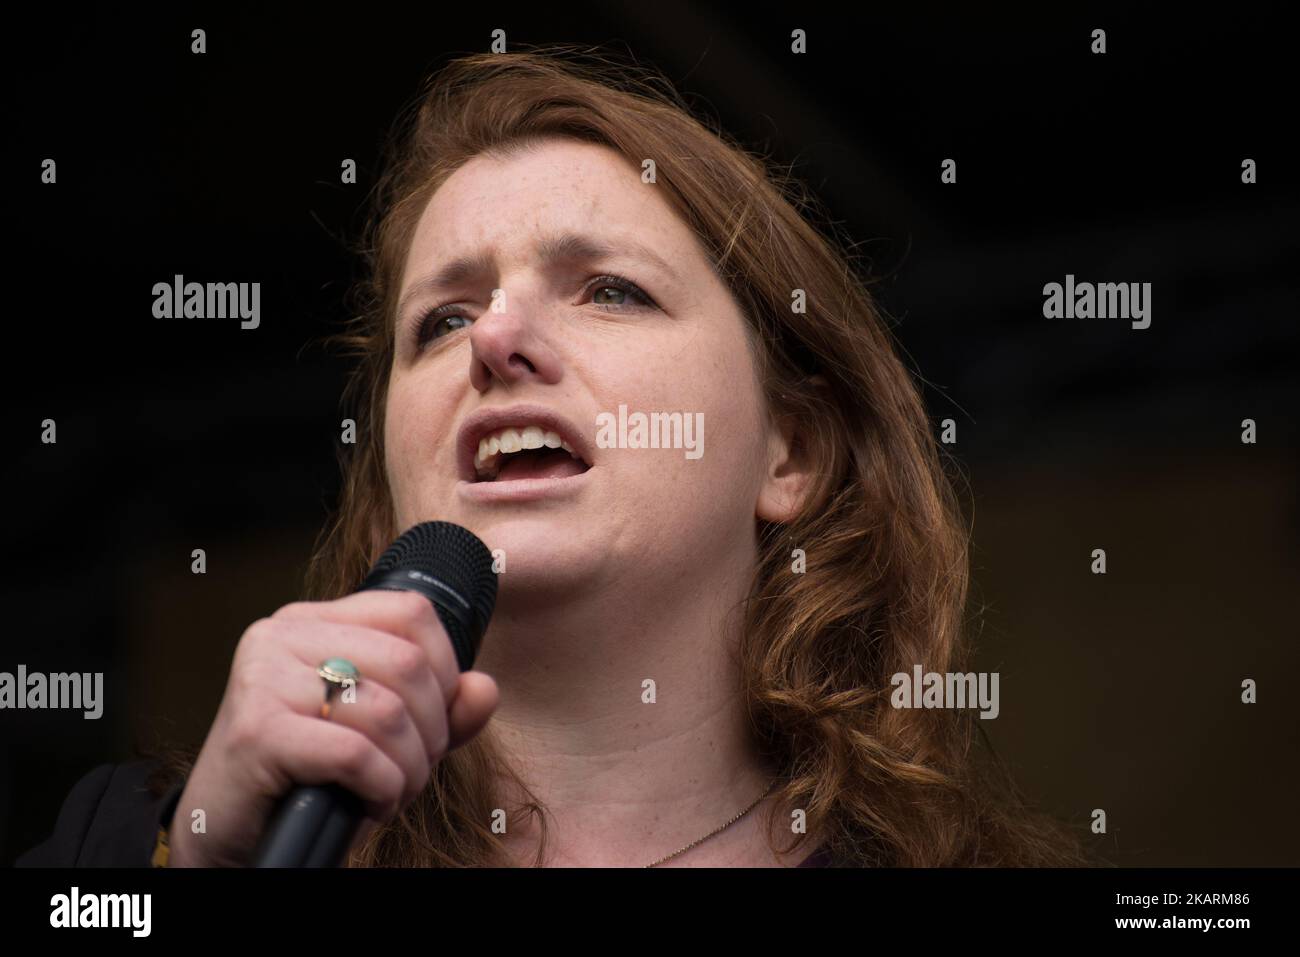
{"x": 477, "y": 696}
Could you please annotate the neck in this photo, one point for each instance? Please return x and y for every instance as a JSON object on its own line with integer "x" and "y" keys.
{"x": 621, "y": 711}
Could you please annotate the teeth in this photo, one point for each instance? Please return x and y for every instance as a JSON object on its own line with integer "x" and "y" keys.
{"x": 509, "y": 440}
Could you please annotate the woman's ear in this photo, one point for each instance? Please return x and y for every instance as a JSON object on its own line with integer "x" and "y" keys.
{"x": 790, "y": 468}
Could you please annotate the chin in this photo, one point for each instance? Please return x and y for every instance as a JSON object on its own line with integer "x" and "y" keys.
{"x": 536, "y": 550}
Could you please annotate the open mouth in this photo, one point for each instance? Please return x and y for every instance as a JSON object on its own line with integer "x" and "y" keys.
{"x": 514, "y": 454}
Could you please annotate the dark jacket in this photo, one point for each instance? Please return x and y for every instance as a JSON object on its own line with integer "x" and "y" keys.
{"x": 111, "y": 819}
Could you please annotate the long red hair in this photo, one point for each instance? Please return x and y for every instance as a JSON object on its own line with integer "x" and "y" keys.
{"x": 886, "y": 580}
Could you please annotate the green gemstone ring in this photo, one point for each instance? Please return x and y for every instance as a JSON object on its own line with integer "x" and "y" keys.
{"x": 337, "y": 673}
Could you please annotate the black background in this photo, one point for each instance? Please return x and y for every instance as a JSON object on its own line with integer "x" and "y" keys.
{"x": 1118, "y": 692}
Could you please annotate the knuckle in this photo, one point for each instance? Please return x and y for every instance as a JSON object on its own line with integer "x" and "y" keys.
{"x": 294, "y": 609}
{"x": 244, "y": 735}
{"x": 407, "y": 659}
{"x": 353, "y": 756}
{"x": 256, "y": 635}
{"x": 244, "y": 679}
{"x": 390, "y": 712}
{"x": 417, "y": 608}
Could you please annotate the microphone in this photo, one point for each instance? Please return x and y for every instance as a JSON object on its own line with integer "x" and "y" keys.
{"x": 314, "y": 826}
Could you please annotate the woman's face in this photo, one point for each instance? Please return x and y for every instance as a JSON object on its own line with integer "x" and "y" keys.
{"x": 533, "y": 323}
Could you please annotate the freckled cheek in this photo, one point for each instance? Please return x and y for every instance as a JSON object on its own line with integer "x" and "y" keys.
{"x": 419, "y": 443}
{"x": 401, "y": 444}
{"x": 393, "y": 460}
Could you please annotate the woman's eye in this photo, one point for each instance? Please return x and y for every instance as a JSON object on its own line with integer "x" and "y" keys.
{"x": 626, "y": 290}
{"x": 434, "y": 324}
{"x": 434, "y": 320}
{"x": 620, "y": 293}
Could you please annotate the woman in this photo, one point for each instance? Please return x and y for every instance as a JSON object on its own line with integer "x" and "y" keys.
{"x": 691, "y": 654}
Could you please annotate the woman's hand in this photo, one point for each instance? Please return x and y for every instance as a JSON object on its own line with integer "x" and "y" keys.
{"x": 412, "y": 706}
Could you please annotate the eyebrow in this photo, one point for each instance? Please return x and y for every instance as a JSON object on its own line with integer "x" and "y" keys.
{"x": 566, "y": 247}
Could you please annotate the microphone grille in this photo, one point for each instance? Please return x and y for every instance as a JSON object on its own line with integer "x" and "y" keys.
{"x": 456, "y": 555}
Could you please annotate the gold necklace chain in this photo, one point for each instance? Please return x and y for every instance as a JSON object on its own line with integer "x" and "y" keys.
{"x": 718, "y": 830}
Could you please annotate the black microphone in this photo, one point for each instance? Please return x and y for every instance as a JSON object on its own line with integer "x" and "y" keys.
{"x": 449, "y": 565}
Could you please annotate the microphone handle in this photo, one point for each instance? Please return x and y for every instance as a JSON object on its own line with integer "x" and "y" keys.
{"x": 315, "y": 825}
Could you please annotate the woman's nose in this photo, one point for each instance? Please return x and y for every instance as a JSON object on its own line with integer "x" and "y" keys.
{"x": 507, "y": 345}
